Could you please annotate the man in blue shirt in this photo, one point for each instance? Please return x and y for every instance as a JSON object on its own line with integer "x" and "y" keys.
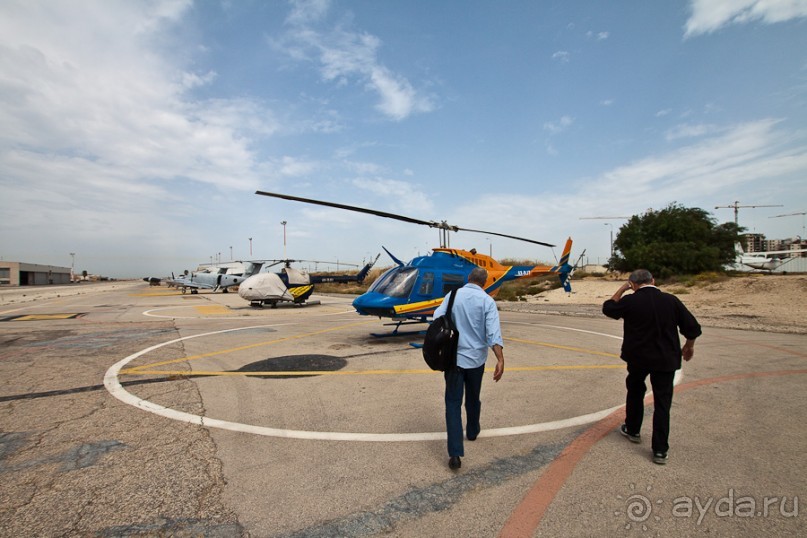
{"x": 477, "y": 319}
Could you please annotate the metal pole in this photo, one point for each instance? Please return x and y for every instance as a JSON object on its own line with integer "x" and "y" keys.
{"x": 284, "y": 238}
{"x": 612, "y": 237}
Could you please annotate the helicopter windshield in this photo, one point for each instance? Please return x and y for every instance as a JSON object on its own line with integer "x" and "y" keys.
{"x": 397, "y": 282}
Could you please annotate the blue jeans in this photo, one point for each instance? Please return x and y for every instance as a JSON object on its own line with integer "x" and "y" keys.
{"x": 470, "y": 381}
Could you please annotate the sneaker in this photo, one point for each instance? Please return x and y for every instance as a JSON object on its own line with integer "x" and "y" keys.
{"x": 660, "y": 458}
{"x": 632, "y": 438}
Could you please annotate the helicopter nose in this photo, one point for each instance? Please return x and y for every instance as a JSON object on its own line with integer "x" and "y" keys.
{"x": 374, "y": 304}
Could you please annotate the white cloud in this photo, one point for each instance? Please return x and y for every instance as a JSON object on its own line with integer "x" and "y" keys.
{"x": 710, "y": 15}
{"x": 752, "y": 158}
{"x": 101, "y": 134}
{"x": 307, "y": 11}
{"x": 86, "y": 81}
{"x": 364, "y": 168}
{"x": 403, "y": 195}
{"x": 559, "y": 126}
{"x": 740, "y": 155}
{"x": 599, "y": 36}
{"x": 561, "y": 56}
{"x": 347, "y": 56}
{"x": 687, "y": 130}
{"x": 295, "y": 167}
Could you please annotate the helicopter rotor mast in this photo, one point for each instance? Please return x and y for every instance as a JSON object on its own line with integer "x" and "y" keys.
{"x": 443, "y": 226}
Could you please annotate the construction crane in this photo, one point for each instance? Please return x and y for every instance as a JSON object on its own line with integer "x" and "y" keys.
{"x": 802, "y": 213}
{"x": 736, "y": 206}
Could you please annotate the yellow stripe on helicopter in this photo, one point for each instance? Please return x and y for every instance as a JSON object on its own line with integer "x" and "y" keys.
{"x": 300, "y": 290}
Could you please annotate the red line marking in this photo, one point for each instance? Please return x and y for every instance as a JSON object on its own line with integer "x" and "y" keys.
{"x": 528, "y": 514}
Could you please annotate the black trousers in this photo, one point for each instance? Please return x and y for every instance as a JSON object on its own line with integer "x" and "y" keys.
{"x": 662, "y": 383}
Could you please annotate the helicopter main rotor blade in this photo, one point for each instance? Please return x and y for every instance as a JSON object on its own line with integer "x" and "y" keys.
{"x": 351, "y": 208}
{"x": 508, "y": 236}
{"x": 430, "y": 223}
{"x": 327, "y": 262}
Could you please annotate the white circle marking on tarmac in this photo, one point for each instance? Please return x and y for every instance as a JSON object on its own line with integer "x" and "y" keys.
{"x": 112, "y": 384}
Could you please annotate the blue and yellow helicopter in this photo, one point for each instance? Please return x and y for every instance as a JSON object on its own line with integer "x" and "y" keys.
{"x": 410, "y": 292}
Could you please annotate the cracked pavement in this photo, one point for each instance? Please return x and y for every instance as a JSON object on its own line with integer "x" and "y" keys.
{"x": 77, "y": 461}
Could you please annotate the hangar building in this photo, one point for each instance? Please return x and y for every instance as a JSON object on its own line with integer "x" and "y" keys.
{"x": 32, "y": 274}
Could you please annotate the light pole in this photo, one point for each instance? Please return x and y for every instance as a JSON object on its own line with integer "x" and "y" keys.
{"x": 612, "y": 238}
{"x": 250, "y": 247}
{"x": 72, "y": 265}
{"x": 283, "y": 223}
{"x": 231, "y": 253}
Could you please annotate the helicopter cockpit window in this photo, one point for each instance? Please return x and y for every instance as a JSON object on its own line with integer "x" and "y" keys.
{"x": 397, "y": 282}
{"x": 426, "y": 283}
{"x": 452, "y": 282}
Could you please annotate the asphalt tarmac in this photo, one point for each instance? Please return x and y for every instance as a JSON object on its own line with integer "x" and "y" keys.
{"x": 139, "y": 411}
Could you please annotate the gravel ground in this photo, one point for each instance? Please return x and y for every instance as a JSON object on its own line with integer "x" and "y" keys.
{"x": 771, "y": 303}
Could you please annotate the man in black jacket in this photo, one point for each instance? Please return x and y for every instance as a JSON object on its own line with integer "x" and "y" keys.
{"x": 651, "y": 346}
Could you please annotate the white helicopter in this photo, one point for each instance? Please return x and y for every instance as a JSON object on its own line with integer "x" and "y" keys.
{"x": 208, "y": 280}
{"x": 290, "y": 285}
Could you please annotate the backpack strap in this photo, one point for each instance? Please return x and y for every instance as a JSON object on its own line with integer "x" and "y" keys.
{"x": 450, "y": 306}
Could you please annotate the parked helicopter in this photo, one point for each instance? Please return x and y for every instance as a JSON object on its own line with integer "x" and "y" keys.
{"x": 290, "y": 285}
{"x": 410, "y": 292}
{"x": 219, "y": 280}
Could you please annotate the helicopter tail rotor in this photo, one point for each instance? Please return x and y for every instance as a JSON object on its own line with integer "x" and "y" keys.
{"x": 366, "y": 269}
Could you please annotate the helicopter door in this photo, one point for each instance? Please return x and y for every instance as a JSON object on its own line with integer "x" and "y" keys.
{"x": 425, "y": 287}
{"x": 452, "y": 281}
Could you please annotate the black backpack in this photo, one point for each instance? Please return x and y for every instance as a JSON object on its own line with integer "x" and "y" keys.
{"x": 440, "y": 343}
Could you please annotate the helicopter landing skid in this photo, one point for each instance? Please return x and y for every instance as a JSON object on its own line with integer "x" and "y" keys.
{"x": 396, "y": 332}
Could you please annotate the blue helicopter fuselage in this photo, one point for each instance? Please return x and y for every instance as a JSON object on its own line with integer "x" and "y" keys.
{"x": 414, "y": 290}
{"x": 422, "y": 279}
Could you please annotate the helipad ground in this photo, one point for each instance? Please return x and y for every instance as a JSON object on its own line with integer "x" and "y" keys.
{"x": 143, "y": 412}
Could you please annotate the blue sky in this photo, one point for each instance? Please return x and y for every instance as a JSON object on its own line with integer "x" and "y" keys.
{"x": 134, "y": 134}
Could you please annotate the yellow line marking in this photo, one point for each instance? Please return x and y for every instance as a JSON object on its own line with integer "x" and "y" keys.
{"x": 136, "y": 369}
{"x": 567, "y": 348}
{"x": 149, "y": 369}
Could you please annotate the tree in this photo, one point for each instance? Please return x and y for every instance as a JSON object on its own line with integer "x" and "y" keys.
{"x": 674, "y": 240}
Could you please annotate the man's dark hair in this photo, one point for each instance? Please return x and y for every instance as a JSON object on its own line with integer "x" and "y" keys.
{"x": 641, "y": 276}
